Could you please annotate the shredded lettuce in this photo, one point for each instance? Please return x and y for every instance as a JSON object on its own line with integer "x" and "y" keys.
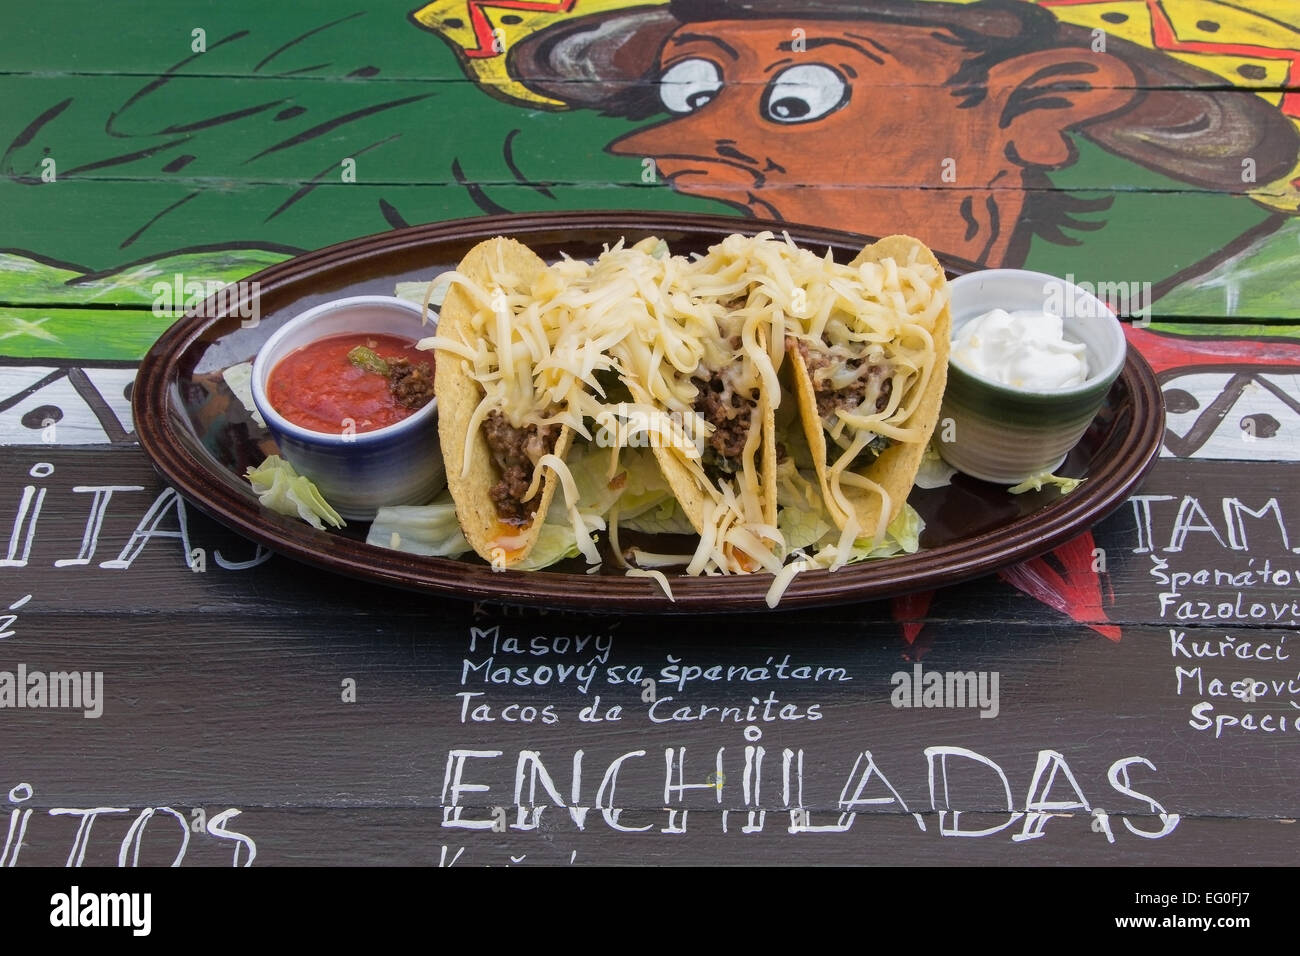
{"x": 664, "y": 517}
{"x": 646, "y": 504}
{"x": 802, "y": 518}
{"x": 934, "y": 471}
{"x": 645, "y": 501}
{"x": 280, "y": 488}
{"x": 903, "y": 536}
{"x": 431, "y": 530}
{"x": 802, "y": 528}
{"x": 239, "y": 379}
{"x": 807, "y": 526}
{"x": 555, "y": 543}
{"x": 416, "y": 291}
{"x": 638, "y": 487}
{"x": 597, "y": 492}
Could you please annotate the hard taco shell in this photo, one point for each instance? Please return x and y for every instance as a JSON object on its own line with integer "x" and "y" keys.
{"x": 504, "y": 545}
{"x": 894, "y": 470}
{"x": 686, "y": 488}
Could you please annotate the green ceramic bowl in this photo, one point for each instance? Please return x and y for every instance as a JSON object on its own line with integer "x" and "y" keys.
{"x": 1005, "y": 434}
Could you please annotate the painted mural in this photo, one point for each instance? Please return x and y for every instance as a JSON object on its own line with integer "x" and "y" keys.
{"x": 946, "y": 114}
{"x": 1149, "y": 145}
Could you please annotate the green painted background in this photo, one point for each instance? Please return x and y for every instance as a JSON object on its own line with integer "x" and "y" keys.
{"x": 237, "y": 152}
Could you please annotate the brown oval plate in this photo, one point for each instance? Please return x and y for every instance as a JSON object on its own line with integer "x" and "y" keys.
{"x": 201, "y": 439}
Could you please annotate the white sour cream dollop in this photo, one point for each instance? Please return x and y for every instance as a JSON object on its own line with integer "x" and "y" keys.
{"x": 1024, "y": 349}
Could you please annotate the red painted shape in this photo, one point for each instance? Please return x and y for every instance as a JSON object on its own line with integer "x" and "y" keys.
{"x": 1164, "y": 352}
{"x": 909, "y": 610}
{"x": 483, "y": 26}
{"x": 1065, "y": 580}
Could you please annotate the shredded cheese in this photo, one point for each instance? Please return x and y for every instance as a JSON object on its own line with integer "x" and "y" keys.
{"x": 581, "y": 530}
{"x": 658, "y": 576}
{"x": 669, "y": 326}
{"x": 783, "y": 579}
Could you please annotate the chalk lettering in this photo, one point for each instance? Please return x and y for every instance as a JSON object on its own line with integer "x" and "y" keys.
{"x": 1118, "y": 776}
{"x": 103, "y": 494}
{"x": 453, "y": 786}
{"x": 1037, "y": 804}
{"x": 1234, "y": 513}
{"x": 147, "y": 530}
{"x": 937, "y": 760}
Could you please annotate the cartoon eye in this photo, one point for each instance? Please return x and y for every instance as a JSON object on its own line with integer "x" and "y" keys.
{"x": 689, "y": 84}
{"x": 804, "y": 93}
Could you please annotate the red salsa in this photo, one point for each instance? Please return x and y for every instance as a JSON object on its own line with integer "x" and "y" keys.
{"x": 318, "y": 386}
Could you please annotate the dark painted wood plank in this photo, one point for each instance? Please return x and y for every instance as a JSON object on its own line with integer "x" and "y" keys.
{"x": 270, "y": 640}
{"x": 414, "y": 837}
{"x": 1190, "y": 518}
{"x": 211, "y": 709}
{"x": 204, "y": 704}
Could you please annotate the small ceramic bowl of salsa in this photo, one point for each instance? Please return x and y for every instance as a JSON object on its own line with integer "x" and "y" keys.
{"x": 349, "y": 399}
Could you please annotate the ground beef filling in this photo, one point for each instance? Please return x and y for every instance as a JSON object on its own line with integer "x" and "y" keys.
{"x": 871, "y": 379}
{"x": 410, "y": 385}
{"x": 515, "y": 451}
{"x": 730, "y": 413}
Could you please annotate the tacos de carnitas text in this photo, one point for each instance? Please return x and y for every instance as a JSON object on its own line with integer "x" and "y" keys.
{"x": 583, "y": 364}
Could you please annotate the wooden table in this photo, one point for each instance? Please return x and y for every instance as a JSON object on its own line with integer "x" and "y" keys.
{"x": 1146, "y": 704}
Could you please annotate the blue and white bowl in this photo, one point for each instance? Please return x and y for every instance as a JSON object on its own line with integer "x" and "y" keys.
{"x": 400, "y": 464}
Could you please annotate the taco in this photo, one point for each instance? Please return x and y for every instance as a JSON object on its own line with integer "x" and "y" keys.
{"x": 726, "y": 483}
{"x": 702, "y": 355}
{"x": 497, "y": 433}
{"x": 869, "y": 370}
{"x": 687, "y": 355}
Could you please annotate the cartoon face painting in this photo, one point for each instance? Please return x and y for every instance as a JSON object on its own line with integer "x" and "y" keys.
{"x": 876, "y": 117}
{"x": 851, "y": 106}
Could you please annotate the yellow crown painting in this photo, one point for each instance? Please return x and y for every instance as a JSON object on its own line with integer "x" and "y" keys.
{"x": 1256, "y": 49}
{"x": 482, "y": 31}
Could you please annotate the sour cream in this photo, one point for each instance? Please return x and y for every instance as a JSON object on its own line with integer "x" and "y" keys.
{"x": 1024, "y": 349}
